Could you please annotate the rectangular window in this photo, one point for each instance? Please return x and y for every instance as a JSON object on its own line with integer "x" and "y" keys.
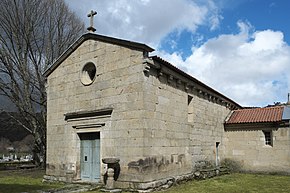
{"x": 189, "y": 108}
{"x": 268, "y": 138}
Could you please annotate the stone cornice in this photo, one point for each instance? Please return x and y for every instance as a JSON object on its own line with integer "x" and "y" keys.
{"x": 186, "y": 82}
{"x": 88, "y": 114}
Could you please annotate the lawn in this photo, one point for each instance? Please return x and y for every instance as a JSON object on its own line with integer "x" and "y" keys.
{"x": 237, "y": 183}
{"x": 234, "y": 183}
{"x": 31, "y": 181}
{"x": 12, "y": 181}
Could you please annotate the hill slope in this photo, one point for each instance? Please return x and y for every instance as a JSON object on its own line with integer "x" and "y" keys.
{"x": 10, "y": 129}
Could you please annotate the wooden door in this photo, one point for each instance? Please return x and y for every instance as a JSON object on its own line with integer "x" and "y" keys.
{"x": 90, "y": 157}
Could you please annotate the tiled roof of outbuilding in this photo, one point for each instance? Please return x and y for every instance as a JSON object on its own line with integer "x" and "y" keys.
{"x": 256, "y": 115}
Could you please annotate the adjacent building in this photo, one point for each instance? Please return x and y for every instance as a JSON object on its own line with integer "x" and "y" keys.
{"x": 259, "y": 139}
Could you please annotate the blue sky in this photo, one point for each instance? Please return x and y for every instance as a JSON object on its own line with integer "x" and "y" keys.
{"x": 261, "y": 14}
{"x": 238, "y": 47}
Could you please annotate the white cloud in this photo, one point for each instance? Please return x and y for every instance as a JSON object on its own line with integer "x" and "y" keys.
{"x": 147, "y": 20}
{"x": 251, "y": 68}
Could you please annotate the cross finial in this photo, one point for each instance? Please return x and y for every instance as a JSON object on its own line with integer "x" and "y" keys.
{"x": 91, "y": 15}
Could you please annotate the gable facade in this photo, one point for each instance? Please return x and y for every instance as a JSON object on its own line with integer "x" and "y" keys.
{"x": 106, "y": 108}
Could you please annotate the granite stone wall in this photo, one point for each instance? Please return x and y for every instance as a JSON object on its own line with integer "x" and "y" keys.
{"x": 117, "y": 85}
{"x": 156, "y": 126}
{"x": 248, "y": 148}
{"x": 182, "y": 124}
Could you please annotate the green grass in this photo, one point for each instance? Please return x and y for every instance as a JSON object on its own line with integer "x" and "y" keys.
{"x": 31, "y": 181}
{"x": 237, "y": 183}
{"x": 23, "y": 181}
{"x": 234, "y": 183}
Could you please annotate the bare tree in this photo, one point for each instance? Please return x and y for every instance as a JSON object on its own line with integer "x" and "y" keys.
{"x": 33, "y": 33}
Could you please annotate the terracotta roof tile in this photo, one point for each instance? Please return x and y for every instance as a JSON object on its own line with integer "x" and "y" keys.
{"x": 256, "y": 115}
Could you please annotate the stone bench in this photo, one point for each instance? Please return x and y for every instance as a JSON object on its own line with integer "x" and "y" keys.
{"x": 27, "y": 166}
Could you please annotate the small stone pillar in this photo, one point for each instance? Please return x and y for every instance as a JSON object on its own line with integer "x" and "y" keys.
{"x": 111, "y": 162}
{"x": 110, "y": 180}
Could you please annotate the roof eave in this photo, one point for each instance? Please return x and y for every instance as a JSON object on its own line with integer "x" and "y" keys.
{"x": 172, "y": 67}
{"x": 63, "y": 56}
{"x": 254, "y": 126}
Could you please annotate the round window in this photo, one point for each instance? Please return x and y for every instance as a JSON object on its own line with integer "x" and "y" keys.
{"x": 88, "y": 73}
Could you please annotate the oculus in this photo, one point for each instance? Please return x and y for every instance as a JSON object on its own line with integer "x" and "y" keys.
{"x": 88, "y": 73}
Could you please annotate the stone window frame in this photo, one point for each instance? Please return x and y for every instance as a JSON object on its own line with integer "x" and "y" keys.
{"x": 190, "y": 114}
{"x": 88, "y": 73}
{"x": 268, "y": 135}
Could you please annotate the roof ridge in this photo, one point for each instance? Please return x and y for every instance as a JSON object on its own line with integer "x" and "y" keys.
{"x": 260, "y": 108}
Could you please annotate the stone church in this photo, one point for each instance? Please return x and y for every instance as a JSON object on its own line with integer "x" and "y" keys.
{"x": 112, "y": 105}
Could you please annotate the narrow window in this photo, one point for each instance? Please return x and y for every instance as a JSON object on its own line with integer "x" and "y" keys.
{"x": 268, "y": 138}
{"x": 189, "y": 109}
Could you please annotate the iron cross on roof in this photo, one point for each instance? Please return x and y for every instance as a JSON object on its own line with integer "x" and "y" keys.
{"x": 91, "y": 15}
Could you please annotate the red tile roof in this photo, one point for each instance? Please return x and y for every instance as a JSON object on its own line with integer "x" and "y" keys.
{"x": 256, "y": 115}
